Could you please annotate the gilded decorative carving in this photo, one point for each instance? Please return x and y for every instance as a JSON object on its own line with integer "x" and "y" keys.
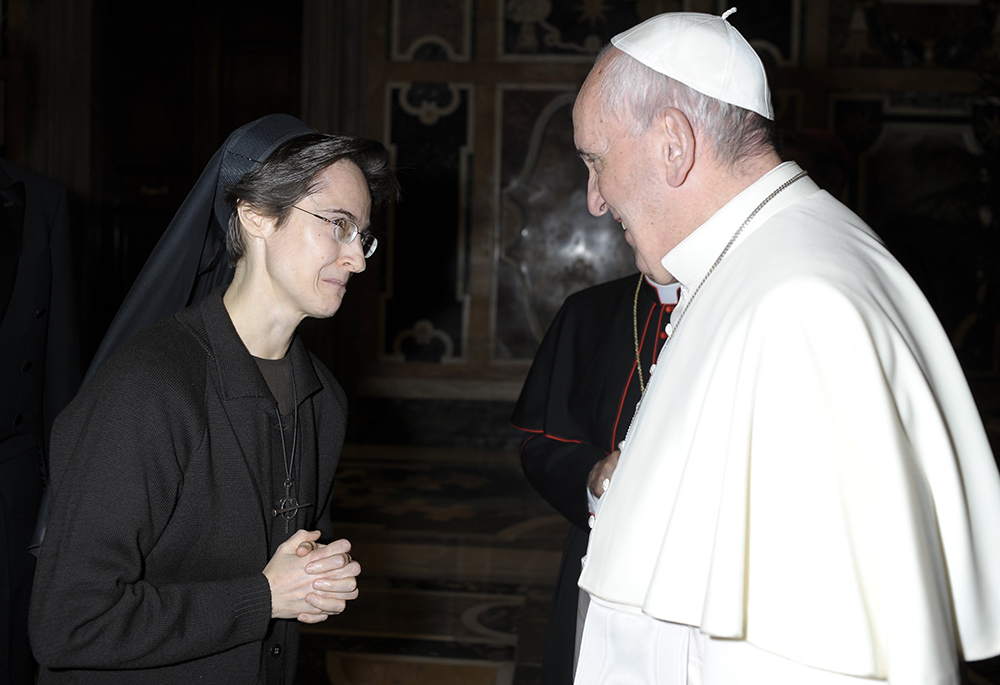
{"x": 429, "y": 101}
{"x": 423, "y": 342}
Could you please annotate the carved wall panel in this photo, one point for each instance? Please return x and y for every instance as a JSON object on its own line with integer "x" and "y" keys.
{"x": 892, "y": 105}
{"x": 429, "y": 135}
{"x": 549, "y": 245}
{"x": 431, "y": 30}
{"x": 553, "y": 30}
{"x": 951, "y": 34}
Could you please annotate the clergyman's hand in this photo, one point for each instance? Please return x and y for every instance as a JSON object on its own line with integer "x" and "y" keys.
{"x": 603, "y": 470}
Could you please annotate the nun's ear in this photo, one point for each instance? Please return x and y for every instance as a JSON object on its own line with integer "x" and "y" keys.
{"x": 255, "y": 224}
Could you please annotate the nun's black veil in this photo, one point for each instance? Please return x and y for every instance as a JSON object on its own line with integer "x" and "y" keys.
{"x": 190, "y": 260}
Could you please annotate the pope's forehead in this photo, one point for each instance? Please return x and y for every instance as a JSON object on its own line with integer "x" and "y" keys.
{"x": 590, "y": 115}
{"x": 588, "y": 99}
{"x": 601, "y": 69}
{"x": 583, "y": 107}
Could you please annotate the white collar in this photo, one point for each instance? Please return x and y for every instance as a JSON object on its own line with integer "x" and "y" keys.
{"x": 668, "y": 294}
{"x": 691, "y": 259}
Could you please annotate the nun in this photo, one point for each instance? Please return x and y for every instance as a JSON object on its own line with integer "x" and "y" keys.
{"x": 189, "y": 530}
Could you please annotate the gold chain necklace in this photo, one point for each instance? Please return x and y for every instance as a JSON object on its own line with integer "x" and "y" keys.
{"x": 680, "y": 315}
{"x": 674, "y": 324}
{"x": 635, "y": 334}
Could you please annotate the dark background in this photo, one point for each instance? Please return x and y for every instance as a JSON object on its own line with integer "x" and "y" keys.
{"x": 893, "y": 106}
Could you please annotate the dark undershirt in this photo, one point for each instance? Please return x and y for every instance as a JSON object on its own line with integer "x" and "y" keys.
{"x": 278, "y": 376}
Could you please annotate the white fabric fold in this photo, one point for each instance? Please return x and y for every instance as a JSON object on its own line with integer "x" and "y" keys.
{"x": 808, "y": 470}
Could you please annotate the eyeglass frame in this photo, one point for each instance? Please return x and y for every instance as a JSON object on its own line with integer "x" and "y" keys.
{"x": 366, "y": 236}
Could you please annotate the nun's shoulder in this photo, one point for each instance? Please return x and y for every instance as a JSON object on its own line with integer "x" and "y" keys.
{"x": 161, "y": 358}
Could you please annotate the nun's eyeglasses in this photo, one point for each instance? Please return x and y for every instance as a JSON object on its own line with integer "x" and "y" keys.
{"x": 345, "y": 231}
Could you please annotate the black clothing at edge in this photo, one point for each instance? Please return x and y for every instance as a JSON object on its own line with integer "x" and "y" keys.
{"x": 39, "y": 373}
{"x": 576, "y": 405}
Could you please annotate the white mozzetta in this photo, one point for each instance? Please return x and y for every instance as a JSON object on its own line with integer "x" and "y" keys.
{"x": 808, "y": 471}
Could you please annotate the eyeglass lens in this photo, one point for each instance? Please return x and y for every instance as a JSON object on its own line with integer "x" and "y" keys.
{"x": 346, "y": 231}
{"x": 368, "y": 244}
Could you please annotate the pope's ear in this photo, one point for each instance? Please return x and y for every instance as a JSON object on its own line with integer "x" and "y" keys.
{"x": 678, "y": 146}
{"x": 254, "y": 223}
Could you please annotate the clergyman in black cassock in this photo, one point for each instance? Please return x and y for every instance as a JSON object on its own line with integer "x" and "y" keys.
{"x": 39, "y": 373}
{"x": 575, "y": 407}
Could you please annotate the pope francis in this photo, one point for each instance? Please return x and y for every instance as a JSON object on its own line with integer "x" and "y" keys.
{"x": 806, "y": 494}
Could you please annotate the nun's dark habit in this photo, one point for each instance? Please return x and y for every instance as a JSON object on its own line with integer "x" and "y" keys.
{"x": 190, "y": 260}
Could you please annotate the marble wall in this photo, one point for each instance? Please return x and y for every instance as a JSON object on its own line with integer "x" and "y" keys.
{"x": 892, "y": 105}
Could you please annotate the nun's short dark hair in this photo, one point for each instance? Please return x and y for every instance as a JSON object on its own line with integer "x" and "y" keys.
{"x": 289, "y": 174}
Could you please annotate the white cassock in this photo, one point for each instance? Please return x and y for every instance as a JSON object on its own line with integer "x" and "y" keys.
{"x": 807, "y": 481}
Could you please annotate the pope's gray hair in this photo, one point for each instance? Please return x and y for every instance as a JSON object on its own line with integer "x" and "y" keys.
{"x": 633, "y": 91}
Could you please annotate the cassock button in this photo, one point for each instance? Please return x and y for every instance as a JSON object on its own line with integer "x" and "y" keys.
{"x": 663, "y": 335}
{"x": 591, "y": 520}
{"x": 39, "y": 313}
{"x": 26, "y": 366}
{"x": 276, "y": 651}
{"x": 17, "y": 420}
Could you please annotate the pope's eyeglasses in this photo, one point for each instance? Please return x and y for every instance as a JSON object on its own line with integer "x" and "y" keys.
{"x": 345, "y": 231}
